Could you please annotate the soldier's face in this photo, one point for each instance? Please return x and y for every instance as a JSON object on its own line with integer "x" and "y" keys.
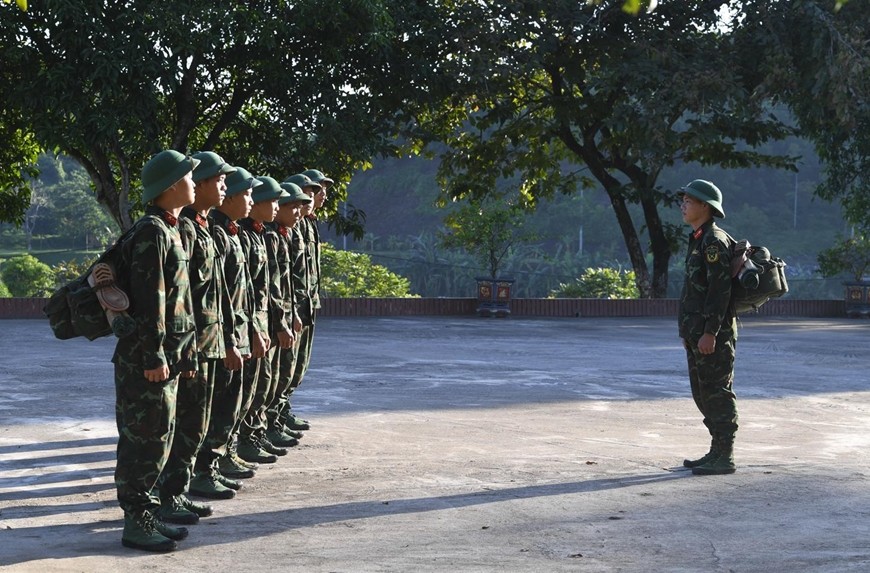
{"x": 308, "y": 208}
{"x": 265, "y": 211}
{"x": 211, "y": 192}
{"x": 320, "y": 198}
{"x": 288, "y": 214}
{"x": 180, "y": 194}
{"x": 238, "y": 206}
{"x": 695, "y": 212}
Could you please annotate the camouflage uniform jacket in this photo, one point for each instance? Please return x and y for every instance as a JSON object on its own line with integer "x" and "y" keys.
{"x": 301, "y": 273}
{"x": 281, "y": 307}
{"x": 705, "y": 303}
{"x": 252, "y": 236}
{"x": 160, "y": 300}
{"x": 312, "y": 250}
{"x": 206, "y": 284}
{"x": 236, "y": 296}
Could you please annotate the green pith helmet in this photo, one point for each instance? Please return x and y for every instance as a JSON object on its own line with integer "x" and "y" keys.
{"x": 318, "y": 177}
{"x": 295, "y": 194}
{"x": 304, "y": 181}
{"x": 240, "y": 181}
{"x": 706, "y": 192}
{"x": 268, "y": 191}
{"x": 210, "y": 164}
{"x": 162, "y": 170}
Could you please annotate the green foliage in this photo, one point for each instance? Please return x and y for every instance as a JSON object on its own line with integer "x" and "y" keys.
{"x": 814, "y": 56}
{"x": 268, "y": 85}
{"x": 18, "y": 154}
{"x": 487, "y": 229}
{"x": 4, "y": 290}
{"x": 850, "y": 256}
{"x": 22, "y": 4}
{"x": 563, "y": 95}
{"x": 600, "y": 283}
{"x": 349, "y": 274}
{"x": 26, "y": 276}
{"x": 66, "y": 271}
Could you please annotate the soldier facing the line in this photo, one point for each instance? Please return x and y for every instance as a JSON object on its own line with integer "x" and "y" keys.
{"x": 708, "y": 325}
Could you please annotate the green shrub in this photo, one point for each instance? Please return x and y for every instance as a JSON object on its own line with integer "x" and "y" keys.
{"x": 847, "y": 256}
{"x": 4, "y": 290}
{"x": 599, "y": 283}
{"x": 349, "y": 274}
{"x": 26, "y": 276}
{"x": 66, "y": 271}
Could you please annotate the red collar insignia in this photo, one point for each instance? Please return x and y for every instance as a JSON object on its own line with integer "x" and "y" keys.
{"x": 201, "y": 220}
{"x": 283, "y": 230}
{"x": 232, "y": 228}
{"x": 170, "y": 219}
{"x": 698, "y": 232}
{"x": 258, "y": 226}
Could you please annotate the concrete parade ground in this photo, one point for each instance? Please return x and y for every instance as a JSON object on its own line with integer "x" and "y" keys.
{"x": 469, "y": 444}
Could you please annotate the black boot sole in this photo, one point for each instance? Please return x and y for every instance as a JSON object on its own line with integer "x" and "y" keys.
{"x": 158, "y": 548}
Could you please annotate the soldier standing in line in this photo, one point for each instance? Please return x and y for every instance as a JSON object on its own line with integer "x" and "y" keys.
{"x": 311, "y": 238}
{"x": 289, "y": 252}
{"x": 253, "y": 444}
{"x": 149, "y": 362}
{"x": 217, "y": 455}
{"x": 708, "y": 325}
{"x": 193, "y": 405}
{"x": 281, "y": 328}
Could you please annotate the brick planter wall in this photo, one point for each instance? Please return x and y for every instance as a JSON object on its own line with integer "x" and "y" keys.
{"x": 32, "y": 307}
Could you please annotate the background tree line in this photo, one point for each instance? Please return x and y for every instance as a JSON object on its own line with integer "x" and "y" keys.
{"x": 524, "y": 101}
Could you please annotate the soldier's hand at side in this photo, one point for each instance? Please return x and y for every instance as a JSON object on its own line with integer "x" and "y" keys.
{"x": 285, "y": 339}
{"x": 233, "y": 359}
{"x": 158, "y": 374}
{"x": 707, "y": 344}
{"x": 259, "y": 348}
{"x": 297, "y": 324}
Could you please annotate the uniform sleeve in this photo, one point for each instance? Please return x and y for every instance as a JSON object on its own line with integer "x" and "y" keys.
{"x": 148, "y": 253}
{"x": 228, "y": 316}
{"x": 277, "y": 311}
{"x": 717, "y": 305}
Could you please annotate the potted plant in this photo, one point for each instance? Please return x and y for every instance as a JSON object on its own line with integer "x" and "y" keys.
{"x": 487, "y": 229}
{"x": 850, "y": 256}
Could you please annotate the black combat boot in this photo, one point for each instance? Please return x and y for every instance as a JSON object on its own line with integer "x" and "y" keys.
{"x": 709, "y": 456}
{"x": 140, "y": 532}
{"x": 722, "y": 464}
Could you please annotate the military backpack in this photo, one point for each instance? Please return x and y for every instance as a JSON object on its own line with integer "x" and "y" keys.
{"x": 95, "y": 304}
{"x": 756, "y": 277}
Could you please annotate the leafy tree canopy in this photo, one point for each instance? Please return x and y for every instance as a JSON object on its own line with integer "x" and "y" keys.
{"x": 818, "y": 62}
{"x": 569, "y": 94}
{"x": 270, "y": 86}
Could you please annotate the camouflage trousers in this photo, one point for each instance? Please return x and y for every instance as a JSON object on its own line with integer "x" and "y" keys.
{"x": 284, "y": 364}
{"x": 145, "y": 415}
{"x": 263, "y": 393}
{"x": 225, "y": 405}
{"x": 303, "y": 355}
{"x": 192, "y": 412}
{"x": 250, "y": 375}
{"x": 711, "y": 377}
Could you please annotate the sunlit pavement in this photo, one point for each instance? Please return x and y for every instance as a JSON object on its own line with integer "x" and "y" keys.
{"x": 470, "y": 444}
